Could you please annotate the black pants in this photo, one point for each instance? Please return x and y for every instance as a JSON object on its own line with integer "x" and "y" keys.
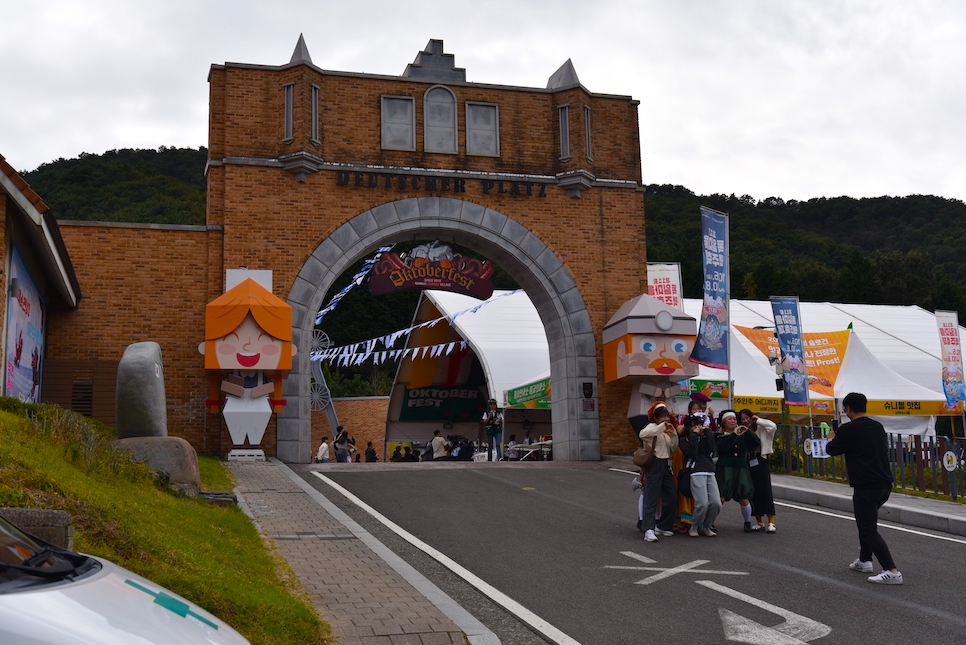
{"x": 762, "y": 501}
{"x": 659, "y": 484}
{"x": 865, "y": 504}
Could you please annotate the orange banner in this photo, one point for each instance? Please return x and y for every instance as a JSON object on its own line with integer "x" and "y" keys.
{"x": 824, "y": 353}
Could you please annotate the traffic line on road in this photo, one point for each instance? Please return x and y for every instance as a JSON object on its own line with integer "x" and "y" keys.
{"x": 795, "y": 630}
{"x": 539, "y": 624}
{"x": 667, "y": 572}
{"x": 885, "y": 526}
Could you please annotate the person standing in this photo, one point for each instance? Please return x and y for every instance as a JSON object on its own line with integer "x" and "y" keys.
{"x": 734, "y": 479}
{"x": 762, "y": 500}
{"x": 864, "y": 443}
{"x": 698, "y": 446}
{"x": 658, "y": 479}
{"x": 322, "y": 456}
{"x": 439, "y": 445}
{"x": 341, "y": 445}
{"x": 371, "y": 456}
{"x": 493, "y": 424}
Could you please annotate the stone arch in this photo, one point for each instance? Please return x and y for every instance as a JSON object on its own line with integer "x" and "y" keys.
{"x": 555, "y": 294}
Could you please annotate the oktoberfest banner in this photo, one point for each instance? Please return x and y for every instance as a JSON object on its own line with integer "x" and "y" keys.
{"x": 711, "y": 348}
{"x": 952, "y": 355}
{"x": 824, "y": 353}
{"x": 664, "y": 283}
{"x": 788, "y": 328}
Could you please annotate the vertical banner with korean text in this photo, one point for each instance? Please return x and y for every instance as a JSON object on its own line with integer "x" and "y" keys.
{"x": 664, "y": 283}
{"x": 711, "y": 348}
{"x": 788, "y": 328}
{"x": 952, "y": 354}
{"x": 24, "y": 344}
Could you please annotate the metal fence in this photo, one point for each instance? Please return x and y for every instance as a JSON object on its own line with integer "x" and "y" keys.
{"x": 917, "y": 462}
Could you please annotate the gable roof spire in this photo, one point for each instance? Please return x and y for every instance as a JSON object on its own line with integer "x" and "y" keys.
{"x": 301, "y": 53}
{"x": 566, "y": 76}
{"x": 432, "y": 64}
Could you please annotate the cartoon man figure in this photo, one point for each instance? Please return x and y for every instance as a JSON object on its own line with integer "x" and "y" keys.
{"x": 248, "y": 349}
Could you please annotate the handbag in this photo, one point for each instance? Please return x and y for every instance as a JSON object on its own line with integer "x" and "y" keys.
{"x": 645, "y": 454}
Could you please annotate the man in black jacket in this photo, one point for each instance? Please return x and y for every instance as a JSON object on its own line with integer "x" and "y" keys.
{"x": 863, "y": 442}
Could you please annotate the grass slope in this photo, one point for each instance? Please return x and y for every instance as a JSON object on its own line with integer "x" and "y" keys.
{"x": 211, "y": 555}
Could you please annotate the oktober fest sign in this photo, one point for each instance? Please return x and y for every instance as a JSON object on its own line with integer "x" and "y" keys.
{"x": 432, "y": 266}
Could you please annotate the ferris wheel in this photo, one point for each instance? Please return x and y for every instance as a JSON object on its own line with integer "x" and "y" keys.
{"x": 319, "y": 394}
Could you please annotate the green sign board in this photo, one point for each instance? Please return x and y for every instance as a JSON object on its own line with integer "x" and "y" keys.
{"x": 443, "y": 404}
{"x": 531, "y": 395}
{"x": 714, "y": 389}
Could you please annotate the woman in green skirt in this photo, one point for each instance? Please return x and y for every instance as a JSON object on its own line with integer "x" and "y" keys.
{"x": 734, "y": 444}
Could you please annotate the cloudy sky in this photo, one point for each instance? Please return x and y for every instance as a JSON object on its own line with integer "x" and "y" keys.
{"x": 795, "y": 99}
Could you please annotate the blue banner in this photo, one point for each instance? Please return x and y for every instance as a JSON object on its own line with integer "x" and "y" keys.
{"x": 711, "y": 348}
{"x": 788, "y": 328}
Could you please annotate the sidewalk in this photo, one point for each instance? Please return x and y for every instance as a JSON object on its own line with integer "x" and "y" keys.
{"x": 908, "y": 510}
{"x": 367, "y": 594}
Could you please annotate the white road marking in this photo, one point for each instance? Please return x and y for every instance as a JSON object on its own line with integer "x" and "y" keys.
{"x": 885, "y": 526}
{"x": 795, "y": 630}
{"x": 539, "y": 624}
{"x": 667, "y": 572}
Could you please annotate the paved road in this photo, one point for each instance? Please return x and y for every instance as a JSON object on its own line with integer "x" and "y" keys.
{"x": 560, "y": 540}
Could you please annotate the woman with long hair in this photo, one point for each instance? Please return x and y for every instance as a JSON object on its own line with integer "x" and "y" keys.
{"x": 734, "y": 444}
{"x": 762, "y": 501}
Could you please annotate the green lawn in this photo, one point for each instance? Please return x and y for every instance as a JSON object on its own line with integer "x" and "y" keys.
{"x": 211, "y": 555}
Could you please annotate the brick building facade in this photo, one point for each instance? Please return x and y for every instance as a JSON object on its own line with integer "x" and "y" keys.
{"x": 310, "y": 170}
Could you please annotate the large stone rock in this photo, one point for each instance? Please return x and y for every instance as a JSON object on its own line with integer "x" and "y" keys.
{"x": 172, "y": 457}
{"x": 141, "y": 408}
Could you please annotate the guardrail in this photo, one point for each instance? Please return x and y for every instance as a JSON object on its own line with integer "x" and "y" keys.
{"x": 925, "y": 464}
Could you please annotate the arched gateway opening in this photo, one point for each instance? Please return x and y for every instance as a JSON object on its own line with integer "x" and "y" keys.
{"x": 573, "y": 353}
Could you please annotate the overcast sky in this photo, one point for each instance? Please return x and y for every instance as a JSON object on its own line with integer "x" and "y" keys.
{"x": 790, "y": 98}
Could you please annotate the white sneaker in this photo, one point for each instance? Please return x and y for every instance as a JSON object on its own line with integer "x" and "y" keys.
{"x": 649, "y": 536}
{"x": 887, "y": 578}
{"x": 664, "y": 533}
{"x": 707, "y": 532}
{"x": 771, "y": 527}
{"x": 861, "y": 567}
{"x": 693, "y": 531}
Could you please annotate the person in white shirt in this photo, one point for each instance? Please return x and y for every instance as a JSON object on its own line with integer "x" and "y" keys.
{"x": 439, "y": 445}
{"x": 323, "y": 455}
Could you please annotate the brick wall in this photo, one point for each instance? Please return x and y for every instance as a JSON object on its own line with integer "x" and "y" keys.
{"x": 363, "y": 417}
{"x": 153, "y": 282}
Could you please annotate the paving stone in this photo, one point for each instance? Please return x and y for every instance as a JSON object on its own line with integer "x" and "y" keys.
{"x": 365, "y": 601}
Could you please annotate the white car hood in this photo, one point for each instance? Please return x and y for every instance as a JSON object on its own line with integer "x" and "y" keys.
{"x": 110, "y": 607}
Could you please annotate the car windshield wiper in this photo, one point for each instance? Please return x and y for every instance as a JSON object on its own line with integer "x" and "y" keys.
{"x": 60, "y": 568}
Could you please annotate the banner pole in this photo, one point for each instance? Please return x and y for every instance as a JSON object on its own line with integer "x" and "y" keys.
{"x": 731, "y": 384}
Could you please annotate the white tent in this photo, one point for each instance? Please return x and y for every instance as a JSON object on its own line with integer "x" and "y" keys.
{"x": 893, "y": 352}
{"x": 506, "y": 335}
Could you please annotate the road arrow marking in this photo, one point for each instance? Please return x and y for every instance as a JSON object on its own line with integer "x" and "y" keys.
{"x": 795, "y": 630}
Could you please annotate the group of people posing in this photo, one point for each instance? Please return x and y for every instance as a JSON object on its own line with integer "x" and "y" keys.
{"x": 699, "y": 463}
{"x": 345, "y": 449}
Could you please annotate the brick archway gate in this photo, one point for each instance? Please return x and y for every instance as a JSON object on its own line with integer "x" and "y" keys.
{"x": 535, "y": 267}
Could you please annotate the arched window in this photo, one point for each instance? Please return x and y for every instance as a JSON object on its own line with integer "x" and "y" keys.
{"x": 439, "y": 120}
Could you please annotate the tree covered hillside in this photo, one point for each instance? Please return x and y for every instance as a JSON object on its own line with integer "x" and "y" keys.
{"x": 890, "y": 250}
{"x": 164, "y": 186}
{"x": 885, "y": 250}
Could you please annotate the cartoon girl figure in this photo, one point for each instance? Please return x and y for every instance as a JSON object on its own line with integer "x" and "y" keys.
{"x": 248, "y": 349}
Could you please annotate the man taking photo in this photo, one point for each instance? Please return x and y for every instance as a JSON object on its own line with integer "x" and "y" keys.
{"x": 863, "y": 442}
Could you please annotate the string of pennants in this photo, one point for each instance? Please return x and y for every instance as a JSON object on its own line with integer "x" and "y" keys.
{"x": 358, "y": 353}
{"x": 356, "y": 281}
